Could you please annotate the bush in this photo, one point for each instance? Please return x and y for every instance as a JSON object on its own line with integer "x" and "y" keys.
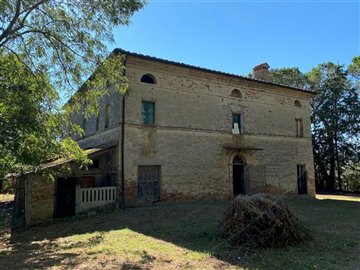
{"x": 261, "y": 220}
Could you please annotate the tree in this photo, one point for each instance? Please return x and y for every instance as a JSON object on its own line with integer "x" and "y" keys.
{"x": 47, "y": 49}
{"x": 30, "y": 123}
{"x": 336, "y": 123}
{"x": 289, "y": 76}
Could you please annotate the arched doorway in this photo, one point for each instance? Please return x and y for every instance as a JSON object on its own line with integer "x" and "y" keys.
{"x": 238, "y": 176}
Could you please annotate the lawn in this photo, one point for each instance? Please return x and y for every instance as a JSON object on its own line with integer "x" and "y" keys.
{"x": 182, "y": 237}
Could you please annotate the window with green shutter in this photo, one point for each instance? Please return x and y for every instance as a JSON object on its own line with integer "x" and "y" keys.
{"x": 236, "y": 119}
{"x": 148, "y": 113}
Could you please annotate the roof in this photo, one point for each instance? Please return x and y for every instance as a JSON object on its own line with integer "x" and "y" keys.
{"x": 61, "y": 161}
{"x": 152, "y": 58}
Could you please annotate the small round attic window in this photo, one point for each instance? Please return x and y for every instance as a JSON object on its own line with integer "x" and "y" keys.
{"x": 148, "y": 78}
{"x": 297, "y": 103}
{"x": 236, "y": 93}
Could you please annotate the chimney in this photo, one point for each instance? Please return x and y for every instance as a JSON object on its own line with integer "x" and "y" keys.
{"x": 261, "y": 72}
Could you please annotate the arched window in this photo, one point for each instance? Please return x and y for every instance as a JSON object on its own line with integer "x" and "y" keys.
{"x": 297, "y": 103}
{"x": 148, "y": 78}
{"x": 236, "y": 93}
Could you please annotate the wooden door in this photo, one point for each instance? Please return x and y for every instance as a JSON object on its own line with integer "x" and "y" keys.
{"x": 149, "y": 183}
{"x": 239, "y": 186}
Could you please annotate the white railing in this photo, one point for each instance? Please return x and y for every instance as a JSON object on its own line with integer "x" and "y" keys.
{"x": 87, "y": 198}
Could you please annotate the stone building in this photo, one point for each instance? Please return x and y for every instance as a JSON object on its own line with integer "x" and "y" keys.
{"x": 192, "y": 134}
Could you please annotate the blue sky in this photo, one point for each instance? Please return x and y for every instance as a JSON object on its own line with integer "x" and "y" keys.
{"x": 234, "y": 36}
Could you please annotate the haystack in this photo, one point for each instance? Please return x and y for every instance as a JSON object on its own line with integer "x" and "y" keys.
{"x": 261, "y": 220}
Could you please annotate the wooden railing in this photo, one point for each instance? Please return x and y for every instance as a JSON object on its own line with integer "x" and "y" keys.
{"x": 87, "y": 198}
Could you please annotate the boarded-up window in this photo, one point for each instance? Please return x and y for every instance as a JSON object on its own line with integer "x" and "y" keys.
{"x": 299, "y": 127}
{"x": 107, "y": 115}
{"x": 149, "y": 183}
{"x": 148, "y": 113}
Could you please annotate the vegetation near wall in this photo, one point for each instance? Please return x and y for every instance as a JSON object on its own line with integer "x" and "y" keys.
{"x": 48, "y": 49}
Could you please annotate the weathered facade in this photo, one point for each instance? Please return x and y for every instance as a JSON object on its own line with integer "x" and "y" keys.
{"x": 190, "y": 134}
{"x": 188, "y": 149}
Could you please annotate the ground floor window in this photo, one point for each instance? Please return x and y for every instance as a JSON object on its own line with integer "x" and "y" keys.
{"x": 148, "y": 187}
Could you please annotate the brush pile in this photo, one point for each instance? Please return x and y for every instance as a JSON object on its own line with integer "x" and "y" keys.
{"x": 261, "y": 220}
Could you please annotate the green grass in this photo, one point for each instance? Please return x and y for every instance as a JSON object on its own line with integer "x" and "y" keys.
{"x": 182, "y": 237}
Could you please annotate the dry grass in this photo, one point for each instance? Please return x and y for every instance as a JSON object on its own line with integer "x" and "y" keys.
{"x": 338, "y": 197}
{"x": 182, "y": 237}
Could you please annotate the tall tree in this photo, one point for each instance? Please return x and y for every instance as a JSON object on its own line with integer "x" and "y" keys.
{"x": 48, "y": 49}
{"x": 289, "y": 76}
{"x": 335, "y": 121}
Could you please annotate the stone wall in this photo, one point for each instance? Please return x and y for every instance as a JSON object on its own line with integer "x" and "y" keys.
{"x": 193, "y": 121}
{"x": 39, "y": 199}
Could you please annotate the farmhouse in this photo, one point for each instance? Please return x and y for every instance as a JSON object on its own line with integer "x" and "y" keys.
{"x": 183, "y": 133}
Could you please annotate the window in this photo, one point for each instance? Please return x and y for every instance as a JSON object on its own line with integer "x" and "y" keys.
{"x": 299, "y": 127}
{"x": 148, "y": 78}
{"x": 297, "y": 103}
{"x": 84, "y": 125}
{"x": 236, "y": 123}
{"x": 107, "y": 115}
{"x": 148, "y": 113}
{"x": 236, "y": 93}
{"x": 97, "y": 122}
{"x": 94, "y": 164}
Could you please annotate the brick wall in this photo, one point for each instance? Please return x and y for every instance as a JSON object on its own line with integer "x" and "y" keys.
{"x": 193, "y": 121}
{"x": 40, "y": 199}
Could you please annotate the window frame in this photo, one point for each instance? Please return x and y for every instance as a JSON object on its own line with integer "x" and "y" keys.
{"x": 239, "y": 121}
{"x": 107, "y": 116}
{"x": 299, "y": 126}
{"x": 152, "y": 77}
{"x": 143, "y": 123}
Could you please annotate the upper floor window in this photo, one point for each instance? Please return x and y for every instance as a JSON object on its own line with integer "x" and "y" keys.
{"x": 84, "y": 125}
{"x": 236, "y": 123}
{"x": 97, "y": 123}
{"x": 148, "y": 78}
{"x": 148, "y": 113}
{"x": 297, "y": 103}
{"x": 107, "y": 115}
{"x": 236, "y": 93}
{"x": 299, "y": 127}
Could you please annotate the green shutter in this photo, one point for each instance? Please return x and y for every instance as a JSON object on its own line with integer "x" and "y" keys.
{"x": 148, "y": 113}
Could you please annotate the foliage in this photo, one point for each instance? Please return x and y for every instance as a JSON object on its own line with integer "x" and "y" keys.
{"x": 62, "y": 39}
{"x": 289, "y": 76}
{"x": 30, "y": 122}
{"x": 47, "y": 49}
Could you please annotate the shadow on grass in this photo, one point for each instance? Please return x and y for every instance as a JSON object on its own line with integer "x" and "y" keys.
{"x": 191, "y": 226}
